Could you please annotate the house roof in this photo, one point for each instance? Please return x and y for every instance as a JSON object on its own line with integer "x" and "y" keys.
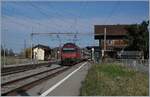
{"x": 112, "y": 30}
{"x": 42, "y": 46}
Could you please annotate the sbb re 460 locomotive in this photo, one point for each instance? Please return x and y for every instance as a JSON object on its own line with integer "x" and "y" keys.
{"x": 70, "y": 54}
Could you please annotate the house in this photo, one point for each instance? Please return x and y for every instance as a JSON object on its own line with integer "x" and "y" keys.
{"x": 41, "y": 52}
{"x": 112, "y": 38}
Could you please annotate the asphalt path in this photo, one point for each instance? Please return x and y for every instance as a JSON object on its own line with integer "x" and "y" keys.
{"x": 66, "y": 84}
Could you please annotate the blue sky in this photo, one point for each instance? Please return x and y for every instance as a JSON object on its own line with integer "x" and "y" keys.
{"x": 19, "y": 19}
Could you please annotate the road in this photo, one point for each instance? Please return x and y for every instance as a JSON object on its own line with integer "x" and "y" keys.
{"x": 66, "y": 84}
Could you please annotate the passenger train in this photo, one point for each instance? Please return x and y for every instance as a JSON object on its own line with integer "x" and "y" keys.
{"x": 70, "y": 54}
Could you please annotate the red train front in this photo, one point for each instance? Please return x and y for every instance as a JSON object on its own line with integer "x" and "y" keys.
{"x": 70, "y": 54}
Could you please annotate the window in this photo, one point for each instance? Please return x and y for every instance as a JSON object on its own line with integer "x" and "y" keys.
{"x": 69, "y": 50}
{"x": 109, "y": 42}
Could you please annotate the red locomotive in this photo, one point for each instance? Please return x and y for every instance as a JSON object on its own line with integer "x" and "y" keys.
{"x": 70, "y": 54}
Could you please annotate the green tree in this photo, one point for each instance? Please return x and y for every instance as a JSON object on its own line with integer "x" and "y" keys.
{"x": 138, "y": 37}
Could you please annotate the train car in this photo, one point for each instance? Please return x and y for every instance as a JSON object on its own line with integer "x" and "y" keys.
{"x": 70, "y": 54}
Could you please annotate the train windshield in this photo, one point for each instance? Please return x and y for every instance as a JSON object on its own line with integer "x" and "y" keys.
{"x": 68, "y": 50}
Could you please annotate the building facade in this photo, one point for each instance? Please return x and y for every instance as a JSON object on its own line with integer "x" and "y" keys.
{"x": 112, "y": 38}
{"x": 41, "y": 52}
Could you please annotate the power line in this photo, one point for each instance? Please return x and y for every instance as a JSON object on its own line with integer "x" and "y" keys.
{"x": 47, "y": 16}
{"x": 65, "y": 33}
{"x": 58, "y": 14}
{"x": 74, "y": 15}
{"x": 36, "y": 22}
{"x": 12, "y": 20}
{"x": 112, "y": 12}
{"x": 44, "y": 13}
{"x": 75, "y": 36}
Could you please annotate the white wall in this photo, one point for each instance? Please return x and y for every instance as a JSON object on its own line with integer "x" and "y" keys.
{"x": 38, "y": 54}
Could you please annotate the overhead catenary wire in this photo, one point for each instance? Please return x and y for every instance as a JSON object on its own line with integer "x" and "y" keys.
{"x": 45, "y": 14}
{"x": 36, "y": 22}
{"x": 16, "y": 22}
{"x": 51, "y": 33}
{"x": 75, "y": 24}
{"x": 52, "y": 15}
{"x": 112, "y": 12}
{"x": 66, "y": 12}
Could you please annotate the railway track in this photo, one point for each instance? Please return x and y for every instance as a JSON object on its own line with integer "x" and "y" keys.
{"x": 12, "y": 88}
{"x": 12, "y": 70}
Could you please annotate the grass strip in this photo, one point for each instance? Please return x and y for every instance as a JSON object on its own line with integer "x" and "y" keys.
{"x": 114, "y": 80}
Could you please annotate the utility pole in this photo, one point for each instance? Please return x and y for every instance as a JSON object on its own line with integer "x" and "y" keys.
{"x": 58, "y": 52}
{"x": 31, "y": 46}
{"x": 25, "y": 48}
{"x": 104, "y": 50}
{"x": 104, "y": 40}
{"x": 31, "y": 37}
{"x": 76, "y": 30}
{"x": 4, "y": 47}
{"x": 4, "y": 54}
